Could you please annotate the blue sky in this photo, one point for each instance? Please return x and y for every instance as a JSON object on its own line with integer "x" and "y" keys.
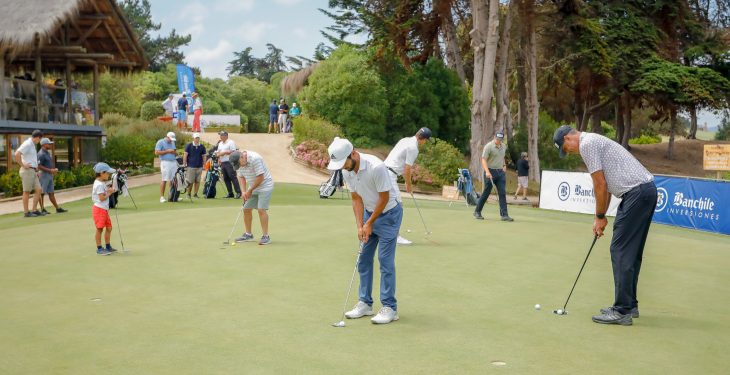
{"x": 221, "y": 27}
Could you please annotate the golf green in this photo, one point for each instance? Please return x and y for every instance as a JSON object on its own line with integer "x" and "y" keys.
{"x": 181, "y": 303}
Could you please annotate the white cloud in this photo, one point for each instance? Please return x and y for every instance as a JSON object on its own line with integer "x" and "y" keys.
{"x": 300, "y": 33}
{"x": 212, "y": 62}
{"x": 234, "y": 5}
{"x": 253, "y": 32}
{"x": 193, "y": 13}
{"x": 287, "y": 2}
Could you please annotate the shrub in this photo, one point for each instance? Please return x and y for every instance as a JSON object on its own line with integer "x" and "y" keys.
{"x": 64, "y": 180}
{"x": 723, "y": 132}
{"x": 112, "y": 120}
{"x": 548, "y": 154}
{"x": 311, "y": 129}
{"x": 645, "y": 140}
{"x": 129, "y": 150}
{"x": 313, "y": 152}
{"x": 10, "y": 183}
{"x": 441, "y": 160}
{"x": 151, "y": 110}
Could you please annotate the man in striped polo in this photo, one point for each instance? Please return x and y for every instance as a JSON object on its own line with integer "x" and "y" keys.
{"x": 255, "y": 179}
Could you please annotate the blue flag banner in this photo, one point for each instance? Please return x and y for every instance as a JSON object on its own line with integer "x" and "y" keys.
{"x": 185, "y": 79}
{"x": 693, "y": 203}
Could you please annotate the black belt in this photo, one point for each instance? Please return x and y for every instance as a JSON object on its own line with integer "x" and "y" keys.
{"x": 391, "y": 169}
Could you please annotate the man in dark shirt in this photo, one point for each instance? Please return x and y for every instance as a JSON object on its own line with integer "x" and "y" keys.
{"x": 523, "y": 169}
{"x": 182, "y": 110}
{"x": 283, "y": 115}
{"x": 47, "y": 171}
{"x": 194, "y": 158}
{"x": 273, "y": 115}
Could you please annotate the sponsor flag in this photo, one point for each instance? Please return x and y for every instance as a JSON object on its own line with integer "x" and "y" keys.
{"x": 185, "y": 79}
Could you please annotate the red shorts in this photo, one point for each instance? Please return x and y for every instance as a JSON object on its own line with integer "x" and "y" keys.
{"x": 101, "y": 218}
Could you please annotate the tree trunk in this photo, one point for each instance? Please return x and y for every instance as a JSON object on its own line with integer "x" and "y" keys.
{"x": 453, "y": 54}
{"x": 596, "y": 115}
{"x": 503, "y": 53}
{"x": 619, "y": 115}
{"x": 672, "y": 131}
{"x": 578, "y": 103}
{"x": 693, "y": 122}
{"x": 533, "y": 107}
{"x": 627, "y": 121}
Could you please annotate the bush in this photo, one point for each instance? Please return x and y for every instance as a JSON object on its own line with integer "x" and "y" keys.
{"x": 11, "y": 184}
{"x": 441, "y": 160}
{"x": 313, "y": 152}
{"x": 723, "y": 132}
{"x": 129, "y": 150}
{"x": 645, "y": 140}
{"x": 311, "y": 129}
{"x": 113, "y": 120}
{"x": 151, "y": 110}
{"x": 548, "y": 154}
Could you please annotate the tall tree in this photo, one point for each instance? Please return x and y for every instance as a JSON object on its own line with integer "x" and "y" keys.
{"x": 244, "y": 64}
{"x": 159, "y": 50}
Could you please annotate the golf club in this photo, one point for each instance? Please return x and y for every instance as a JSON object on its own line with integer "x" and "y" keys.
{"x": 119, "y": 228}
{"x": 238, "y": 217}
{"x": 341, "y": 323}
{"x": 563, "y": 311}
{"x": 421, "y": 215}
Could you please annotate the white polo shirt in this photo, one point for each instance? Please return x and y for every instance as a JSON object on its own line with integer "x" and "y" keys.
{"x": 228, "y": 145}
{"x": 255, "y": 167}
{"x": 28, "y": 153}
{"x": 404, "y": 153}
{"x": 370, "y": 180}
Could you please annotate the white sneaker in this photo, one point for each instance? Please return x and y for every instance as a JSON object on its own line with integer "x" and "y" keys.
{"x": 403, "y": 241}
{"x": 385, "y": 316}
{"x": 162, "y": 200}
{"x": 360, "y": 310}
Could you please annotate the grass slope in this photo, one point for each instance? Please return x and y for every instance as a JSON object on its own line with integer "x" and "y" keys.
{"x": 178, "y": 303}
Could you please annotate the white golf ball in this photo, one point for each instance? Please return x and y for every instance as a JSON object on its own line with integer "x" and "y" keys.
{"x": 560, "y": 311}
{"x": 408, "y": 230}
{"x": 537, "y": 307}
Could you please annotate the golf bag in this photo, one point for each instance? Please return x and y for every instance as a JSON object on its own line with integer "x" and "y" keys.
{"x": 119, "y": 183}
{"x": 328, "y": 188}
{"x": 466, "y": 187}
{"x": 212, "y": 174}
{"x": 178, "y": 185}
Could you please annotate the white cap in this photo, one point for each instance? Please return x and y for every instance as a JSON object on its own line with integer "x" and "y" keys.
{"x": 171, "y": 135}
{"x": 339, "y": 150}
{"x": 196, "y": 135}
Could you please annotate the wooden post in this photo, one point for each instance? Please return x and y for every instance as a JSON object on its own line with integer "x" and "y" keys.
{"x": 3, "y": 104}
{"x": 39, "y": 81}
{"x": 719, "y": 175}
{"x": 69, "y": 104}
{"x": 96, "y": 94}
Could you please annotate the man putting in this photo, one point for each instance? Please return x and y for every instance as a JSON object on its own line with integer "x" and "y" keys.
{"x": 400, "y": 163}
{"x": 258, "y": 185}
{"x": 378, "y": 215}
{"x": 615, "y": 171}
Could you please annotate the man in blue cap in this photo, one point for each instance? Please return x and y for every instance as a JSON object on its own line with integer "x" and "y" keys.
{"x": 615, "y": 171}
{"x": 495, "y": 169}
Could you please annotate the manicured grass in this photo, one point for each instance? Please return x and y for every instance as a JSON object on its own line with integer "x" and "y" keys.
{"x": 178, "y": 303}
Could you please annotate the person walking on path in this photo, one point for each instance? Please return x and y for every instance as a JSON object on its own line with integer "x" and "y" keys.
{"x": 495, "y": 170}
{"x": 523, "y": 169}
{"x": 273, "y": 115}
{"x": 47, "y": 171}
{"x": 182, "y": 112}
{"x": 166, "y": 150}
{"x": 27, "y": 157}
{"x": 169, "y": 106}
{"x": 378, "y": 215}
{"x": 193, "y": 159}
{"x": 400, "y": 163}
{"x": 258, "y": 185}
{"x": 225, "y": 148}
{"x": 615, "y": 171}
{"x": 100, "y": 193}
{"x": 283, "y": 115}
{"x": 197, "y": 111}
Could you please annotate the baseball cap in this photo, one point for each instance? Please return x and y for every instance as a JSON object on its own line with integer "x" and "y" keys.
{"x": 235, "y": 159}
{"x": 339, "y": 150}
{"x": 424, "y": 133}
{"x": 499, "y": 135}
{"x": 559, "y": 138}
{"x": 171, "y": 135}
{"x": 103, "y": 167}
{"x": 46, "y": 141}
{"x": 196, "y": 135}
{"x": 223, "y": 132}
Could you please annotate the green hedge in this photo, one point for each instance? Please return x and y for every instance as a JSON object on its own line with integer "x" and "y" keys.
{"x": 645, "y": 139}
{"x": 151, "y": 110}
{"x": 131, "y": 142}
{"x": 441, "y": 160}
{"x": 312, "y": 129}
{"x": 11, "y": 184}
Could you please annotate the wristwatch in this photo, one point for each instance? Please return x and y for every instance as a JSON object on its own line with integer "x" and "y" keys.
{"x": 601, "y": 216}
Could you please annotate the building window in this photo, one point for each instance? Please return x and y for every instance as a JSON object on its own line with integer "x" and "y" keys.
{"x": 15, "y": 141}
{"x": 63, "y": 150}
{"x": 90, "y": 149}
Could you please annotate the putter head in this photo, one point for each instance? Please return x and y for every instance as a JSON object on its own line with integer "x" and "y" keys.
{"x": 560, "y": 312}
{"x": 341, "y": 323}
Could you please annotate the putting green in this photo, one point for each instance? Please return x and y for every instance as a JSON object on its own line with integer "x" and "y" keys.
{"x": 178, "y": 303}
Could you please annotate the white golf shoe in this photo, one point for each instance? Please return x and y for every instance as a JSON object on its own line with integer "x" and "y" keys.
{"x": 403, "y": 241}
{"x": 385, "y": 316}
{"x": 360, "y": 310}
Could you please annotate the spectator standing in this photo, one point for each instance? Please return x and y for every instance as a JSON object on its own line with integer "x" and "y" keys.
{"x": 197, "y": 111}
{"x": 193, "y": 159}
{"x": 169, "y": 106}
{"x": 283, "y": 115}
{"x": 182, "y": 112}
{"x": 47, "y": 171}
{"x": 523, "y": 169}
{"x": 27, "y": 157}
{"x": 225, "y": 148}
{"x": 166, "y": 150}
{"x": 495, "y": 170}
{"x": 295, "y": 110}
{"x": 100, "y": 193}
{"x": 256, "y": 180}
{"x": 273, "y": 115}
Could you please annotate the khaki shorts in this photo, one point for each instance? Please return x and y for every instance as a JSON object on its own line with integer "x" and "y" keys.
{"x": 193, "y": 175}
{"x": 522, "y": 181}
{"x": 259, "y": 200}
{"x": 30, "y": 180}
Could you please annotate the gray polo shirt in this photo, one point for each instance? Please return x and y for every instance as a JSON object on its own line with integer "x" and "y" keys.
{"x": 494, "y": 155}
{"x": 372, "y": 178}
{"x": 623, "y": 172}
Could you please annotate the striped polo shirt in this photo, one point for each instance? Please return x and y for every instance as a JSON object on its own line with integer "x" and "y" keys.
{"x": 255, "y": 167}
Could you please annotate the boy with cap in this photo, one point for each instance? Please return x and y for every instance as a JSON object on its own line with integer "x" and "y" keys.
{"x": 495, "y": 170}
{"x": 27, "y": 157}
{"x": 400, "y": 163}
{"x": 100, "y": 193}
{"x": 166, "y": 150}
{"x": 47, "y": 171}
{"x": 378, "y": 215}
{"x": 258, "y": 185}
{"x": 615, "y": 171}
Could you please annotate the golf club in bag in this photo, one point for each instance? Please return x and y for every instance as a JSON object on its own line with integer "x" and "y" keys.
{"x": 341, "y": 323}
{"x": 119, "y": 183}
{"x": 563, "y": 311}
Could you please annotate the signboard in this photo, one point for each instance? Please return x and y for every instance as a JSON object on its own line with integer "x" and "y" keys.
{"x": 185, "y": 79}
{"x": 693, "y": 203}
{"x": 716, "y": 157}
{"x": 572, "y": 192}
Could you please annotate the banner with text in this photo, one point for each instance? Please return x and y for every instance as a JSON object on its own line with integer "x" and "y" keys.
{"x": 572, "y": 192}
{"x": 185, "y": 79}
{"x": 692, "y": 203}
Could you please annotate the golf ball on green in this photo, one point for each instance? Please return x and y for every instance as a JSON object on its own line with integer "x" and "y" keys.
{"x": 537, "y": 307}
{"x": 409, "y": 231}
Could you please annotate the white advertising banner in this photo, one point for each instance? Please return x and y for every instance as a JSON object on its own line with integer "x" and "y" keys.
{"x": 572, "y": 192}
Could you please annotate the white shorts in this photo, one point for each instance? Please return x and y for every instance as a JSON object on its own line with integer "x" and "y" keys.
{"x": 522, "y": 181}
{"x": 168, "y": 169}
{"x": 394, "y": 181}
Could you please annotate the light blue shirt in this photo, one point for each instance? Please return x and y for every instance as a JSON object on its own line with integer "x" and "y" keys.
{"x": 163, "y": 145}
